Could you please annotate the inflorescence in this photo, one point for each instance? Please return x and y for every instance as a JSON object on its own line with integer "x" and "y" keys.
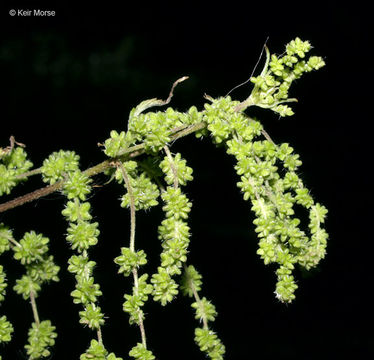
{"x": 269, "y": 179}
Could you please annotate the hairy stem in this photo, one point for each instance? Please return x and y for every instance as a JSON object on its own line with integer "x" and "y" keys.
{"x": 132, "y": 204}
{"x": 99, "y": 335}
{"x": 196, "y": 296}
{"x": 29, "y": 173}
{"x": 172, "y": 166}
{"x": 131, "y": 152}
{"x": 34, "y": 308}
{"x": 132, "y": 242}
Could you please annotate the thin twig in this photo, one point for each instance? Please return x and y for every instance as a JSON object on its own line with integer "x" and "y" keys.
{"x": 126, "y": 178}
{"x": 34, "y": 308}
{"x": 196, "y": 296}
{"x": 130, "y": 191}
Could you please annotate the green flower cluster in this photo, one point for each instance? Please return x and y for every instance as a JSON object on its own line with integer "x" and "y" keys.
{"x": 32, "y": 251}
{"x": 81, "y": 235}
{"x": 130, "y": 260}
{"x": 272, "y": 85}
{"x": 13, "y": 162}
{"x": 33, "y": 247}
{"x": 6, "y": 236}
{"x": 174, "y": 231}
{"x": 41, "y": 337}
{"x": 58, "y": 165}
{"x": 134, "y": 303}
{"x": 140, "y": 352}
{"x": 223, "y": 120}
{"x": 268, "y": 178}
{"x": 145, "y": 192}
{"x": 6, "y": 328}
{"x": 97, "y": 351}
{"x": 205, "y": 311}
{"x": 152, "y": 129}
{"x": 117, "y": 143}
{"x": 77, "y": 185}
{"x": 179, "y": 166}
{"x": 3, "y": 283}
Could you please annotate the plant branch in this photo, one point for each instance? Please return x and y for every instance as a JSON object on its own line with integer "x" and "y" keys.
{"x": 131, "y": 152}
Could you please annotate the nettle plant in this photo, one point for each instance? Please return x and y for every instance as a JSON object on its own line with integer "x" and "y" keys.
{"x": 141, "y": 160}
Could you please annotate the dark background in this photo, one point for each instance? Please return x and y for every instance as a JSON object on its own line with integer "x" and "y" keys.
{"x": 68, "y": 80}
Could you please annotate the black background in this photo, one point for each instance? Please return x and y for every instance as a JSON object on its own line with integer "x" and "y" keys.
{"x": 68, "y": 80}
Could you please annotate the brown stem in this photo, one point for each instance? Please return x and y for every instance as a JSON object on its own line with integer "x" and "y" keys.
{"x": 30, "y": 196}
{"x": 131, "y": 152}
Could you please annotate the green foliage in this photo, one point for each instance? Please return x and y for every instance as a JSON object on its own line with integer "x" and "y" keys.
{"x": 268, "y": 177}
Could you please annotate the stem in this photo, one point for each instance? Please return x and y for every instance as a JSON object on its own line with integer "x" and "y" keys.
{"x": 196, "y": 296}
{"x": 172, "y": 166}
{"x": 29, "y": 173}
{"x": 99, "y": 335}
{"x": 34, "y": 308}
{"x": 132, "y": 243}
{"x": 141, "y": 324}
{"x": 244, "y": 104}
{"x": 30, "y": 196}
{"x": 132, "y": 205}
{"x": 131, "y": 152}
